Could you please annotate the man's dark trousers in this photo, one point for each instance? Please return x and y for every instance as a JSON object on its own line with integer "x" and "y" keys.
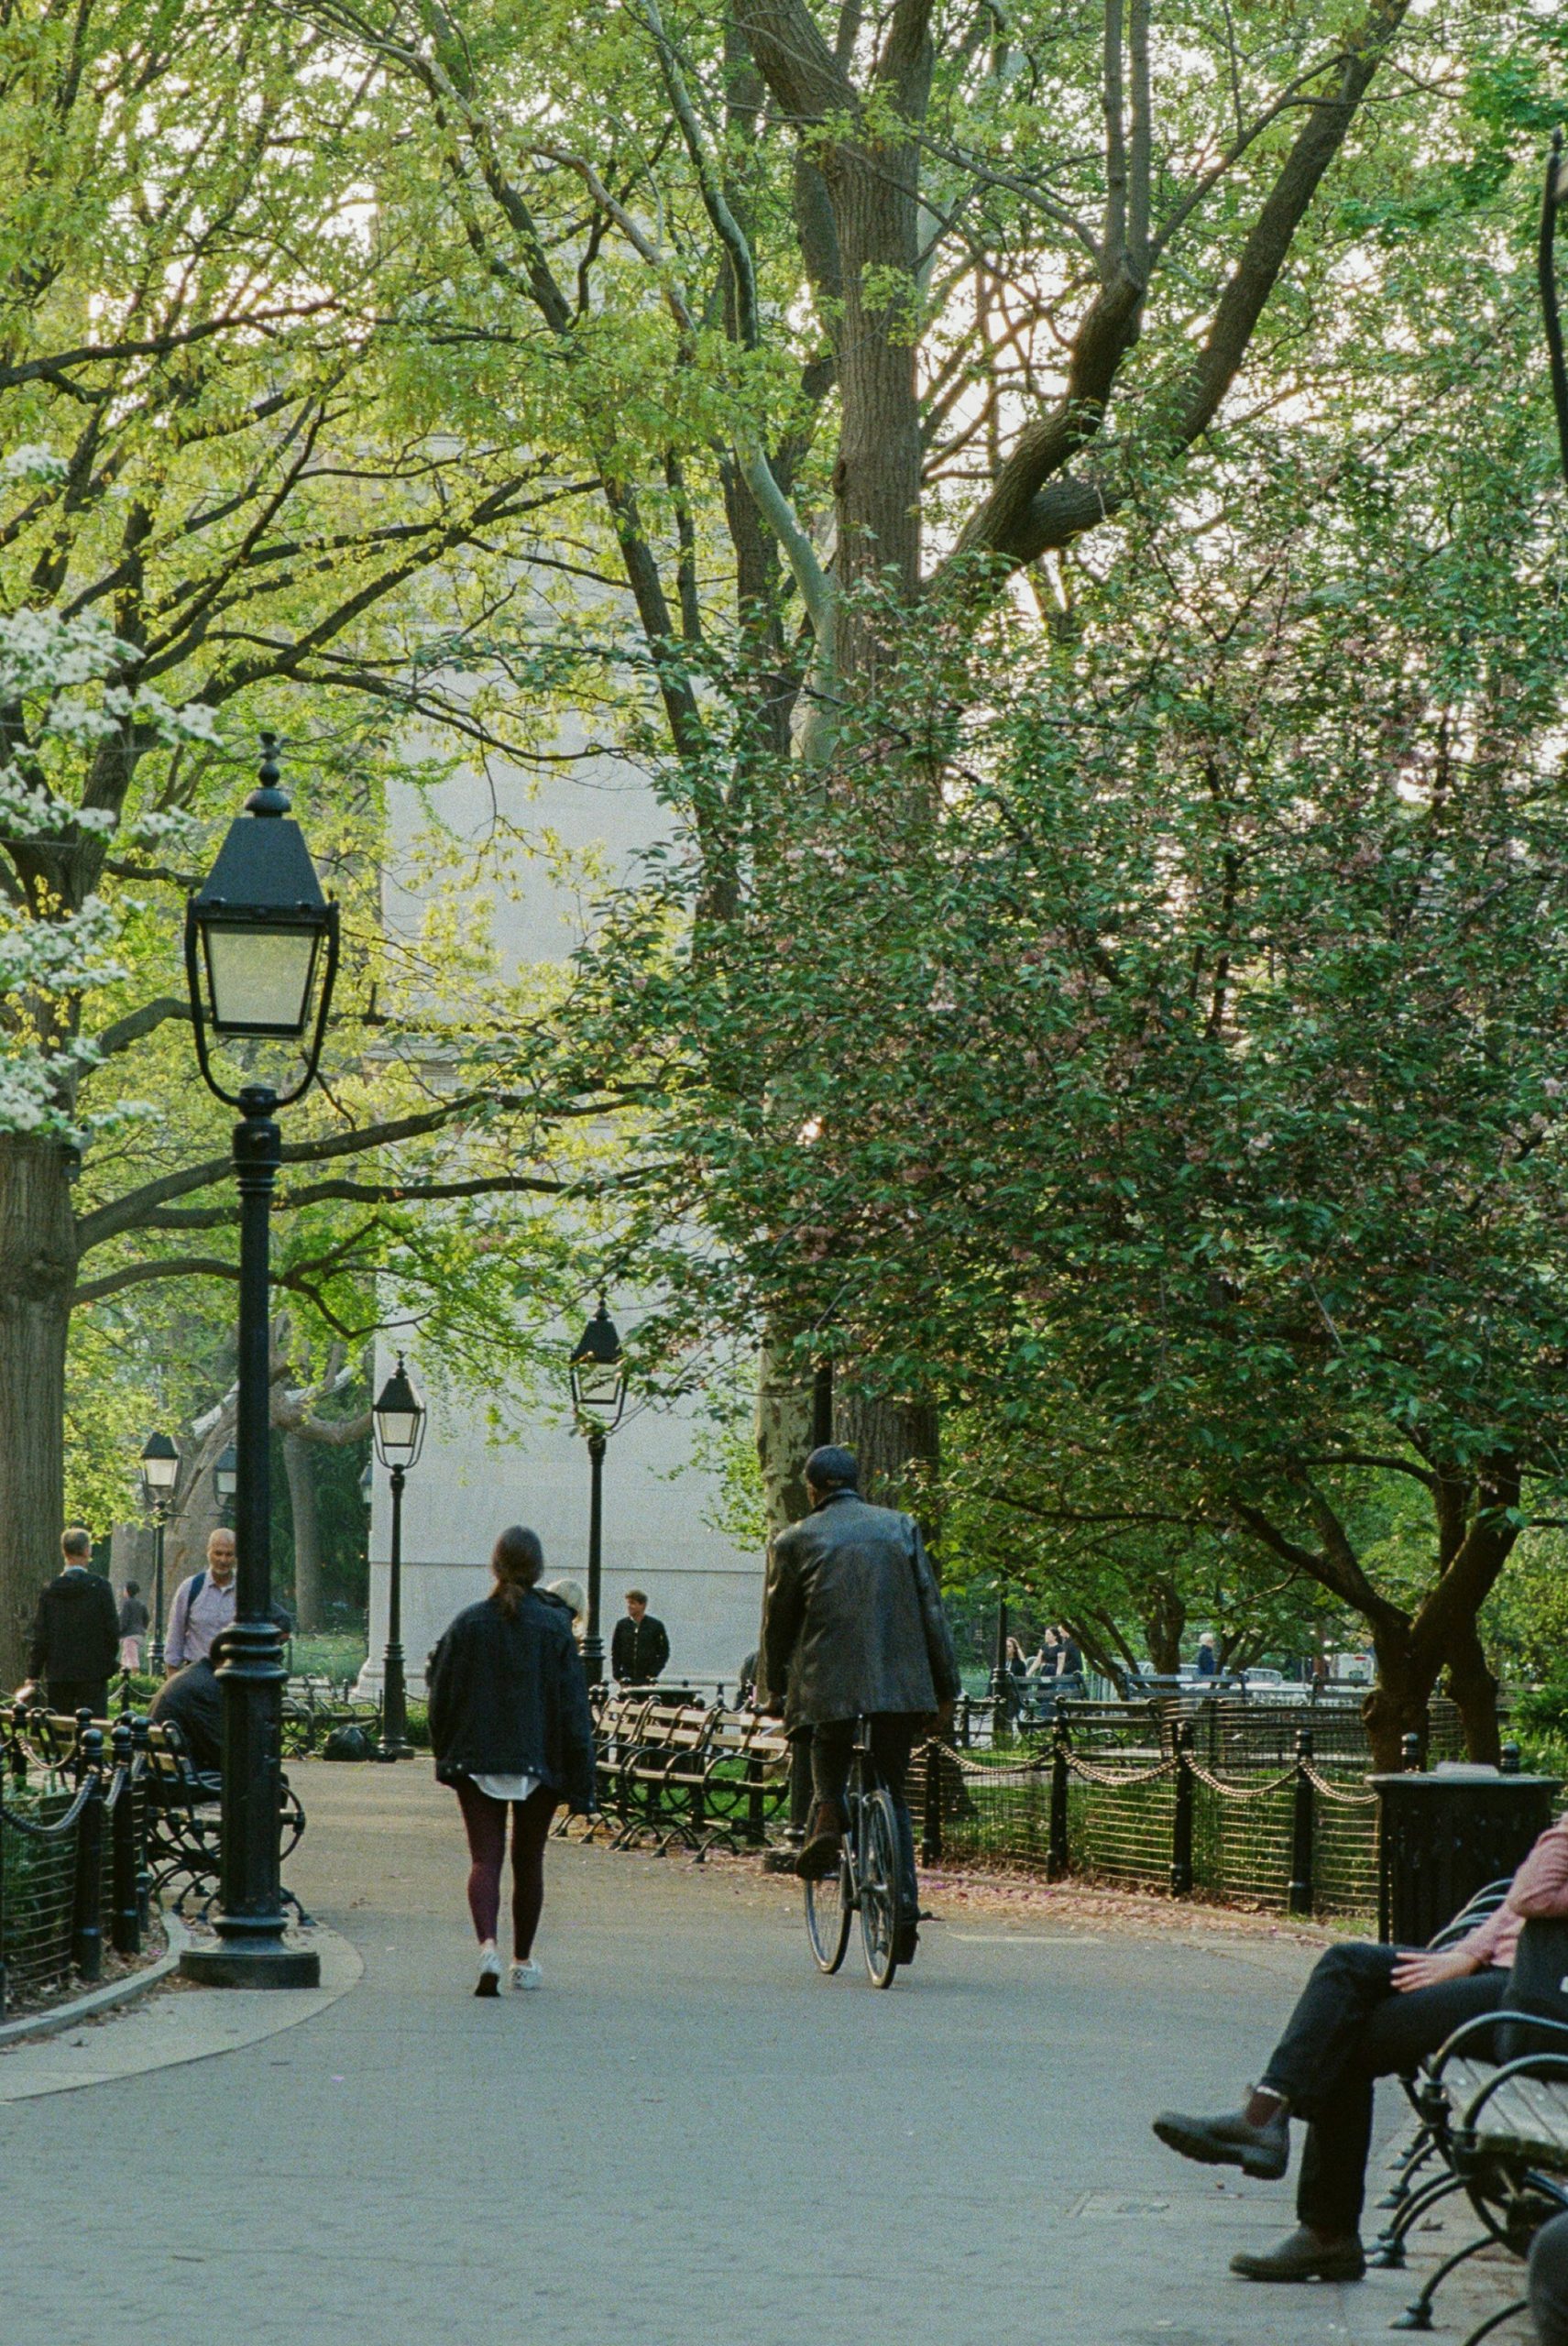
{"x": 893, "y": 1738}
{"x": 1349, "y": 2028}
{"x": 69, "y": 1696}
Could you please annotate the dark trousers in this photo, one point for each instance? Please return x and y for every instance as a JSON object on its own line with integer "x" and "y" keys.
{"x": 1348, "y": 2029}
{"x": 486, "y": 1823}
{"x": 1549, "y": 2283}
{"x": 892, "y": 1737}
{"x": 69, "y": 1696}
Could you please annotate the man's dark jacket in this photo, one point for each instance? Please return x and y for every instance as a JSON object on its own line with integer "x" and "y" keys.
{"x": 508, "y": 1697}
{"x": 851, "y": 1620}
{"x": 193, "y": 1701}
{"x": 76, "y": 1632}
{"x": 638, "y": 1651}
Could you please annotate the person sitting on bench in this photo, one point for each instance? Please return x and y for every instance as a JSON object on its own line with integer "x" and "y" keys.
{"x": 1367, "y": 2012}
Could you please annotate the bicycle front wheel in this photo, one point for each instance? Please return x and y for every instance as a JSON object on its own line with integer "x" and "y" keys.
{"x": 828, "y": 1916}
{"x": 881, "y": 1903}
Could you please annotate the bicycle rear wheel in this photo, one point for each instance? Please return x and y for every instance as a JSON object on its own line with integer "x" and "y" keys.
{"x": 828, "y": 1916}
{"x": 882, "y": 1904}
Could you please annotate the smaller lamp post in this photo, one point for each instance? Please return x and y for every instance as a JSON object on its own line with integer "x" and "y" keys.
{"x": 398, "y": 1419}
{"x": 1001, "y": 1676}
{"x": 160, "y": 1472}
{"x": 225, "y": 1478}
{"x": 599, "y": 1396}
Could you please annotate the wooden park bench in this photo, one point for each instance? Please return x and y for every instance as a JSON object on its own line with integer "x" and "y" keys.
{"x": 183, "y": 1819}
{"x": 676, "y": 1773}
{"x": 1493, "y": 2106}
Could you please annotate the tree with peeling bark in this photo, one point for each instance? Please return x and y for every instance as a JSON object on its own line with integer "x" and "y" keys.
{"x": 848, "y": 309}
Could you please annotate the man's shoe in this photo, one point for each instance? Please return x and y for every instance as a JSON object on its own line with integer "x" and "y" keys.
{"x": 1302, "y": 2256}
{"x": 823, "y": 1842}
{"x": 1261, "y": 2151}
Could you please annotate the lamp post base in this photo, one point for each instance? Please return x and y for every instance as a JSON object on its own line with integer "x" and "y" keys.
{"x": 252, "y": 1966}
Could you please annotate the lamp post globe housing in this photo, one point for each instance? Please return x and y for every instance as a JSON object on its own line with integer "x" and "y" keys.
{"x": 398, "y": 1421}
{"x": 598, "y": 1370}
{"x": 261, "y": 946}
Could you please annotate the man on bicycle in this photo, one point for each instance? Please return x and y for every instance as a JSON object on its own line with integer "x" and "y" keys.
{"x": 853, "y": 1629}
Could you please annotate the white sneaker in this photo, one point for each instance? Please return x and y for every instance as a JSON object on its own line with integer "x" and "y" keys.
{"x": 489, "y": 1981}
{"x": 527, "y": 1975}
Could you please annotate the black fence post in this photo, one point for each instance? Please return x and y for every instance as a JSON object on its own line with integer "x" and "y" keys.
{"x": 125, "y": 1927}
{"x": 1181, "y": 1831}
{"x": 144, "y": 1818}
{"x": 87, "y": 1912}
{"x": 1302, "y": 1826}
{"x": 1057, "y": 1850}
{"x": 931, "y": 1821}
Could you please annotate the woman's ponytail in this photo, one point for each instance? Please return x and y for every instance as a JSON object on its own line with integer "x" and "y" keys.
{"x": 517, "y": 1562}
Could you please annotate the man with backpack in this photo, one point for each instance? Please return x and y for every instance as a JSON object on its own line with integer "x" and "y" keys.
{"x": 204, "y": 1605}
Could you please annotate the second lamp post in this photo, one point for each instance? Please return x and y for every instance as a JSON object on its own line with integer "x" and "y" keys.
{"x": 160, "y": 1472}
{"x": 599, "y": 1396}
{"x": 398, "y": 1420}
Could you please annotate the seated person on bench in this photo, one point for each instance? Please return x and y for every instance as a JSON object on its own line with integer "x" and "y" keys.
{"x": 1367, "y": 2012}
{"x": 193, "y": 1701}
{"x": 1549, "y": 2282}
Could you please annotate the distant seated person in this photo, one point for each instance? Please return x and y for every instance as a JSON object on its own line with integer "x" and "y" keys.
{"x": 640, "y": 1649}
{"x": 1208, "y": 1659}
{"x": 193, "y": 1701}
{"x": 1069, "y": 1663}
{"x": 1367, "y": 2012}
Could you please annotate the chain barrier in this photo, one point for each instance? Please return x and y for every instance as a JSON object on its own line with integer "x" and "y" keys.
{"x": 1241, "y": 1791}
{"x": 60, "y": 1824}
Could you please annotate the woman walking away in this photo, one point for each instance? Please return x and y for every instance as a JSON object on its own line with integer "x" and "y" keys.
{"x": 510, "y": 1727}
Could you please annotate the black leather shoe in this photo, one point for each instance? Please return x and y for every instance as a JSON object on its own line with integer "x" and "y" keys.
{"x": 1262, "y": 2152}
{"x": 1302, "y": 2256}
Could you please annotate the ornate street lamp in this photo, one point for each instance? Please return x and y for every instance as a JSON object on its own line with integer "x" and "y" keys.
{"x": 1001, "y": 1676}
{"x": 598, "y": 1396}
{"x": 261, "y": 945}
{"x": 225, "y": 1478}
{"x": 160, "y": 1474}
{"x": 398, "y": 1419}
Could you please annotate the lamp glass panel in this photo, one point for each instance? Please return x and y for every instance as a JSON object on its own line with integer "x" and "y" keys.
{"x": 598, "y": 1383}
{"x": 161, "y": 1473}
{"x": 398, "y": 1429}
{"x": 259, "y": 979}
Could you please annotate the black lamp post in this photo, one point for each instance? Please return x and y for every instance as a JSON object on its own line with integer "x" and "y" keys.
{"x": 1001, "y": 1676}
{"x": 256, "y": 936}
{"x": 398, "y": 1419}
{"x": 225, "y": 1478}
{"x": 599, "y": 1396}
{"x": 160, "y": 1472}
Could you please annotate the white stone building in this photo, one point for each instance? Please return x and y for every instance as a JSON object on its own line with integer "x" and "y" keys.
{"x": 465, "y": 1487}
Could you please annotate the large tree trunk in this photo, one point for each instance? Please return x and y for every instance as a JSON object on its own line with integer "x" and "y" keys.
{"x": 1474, "y": 1691}
{"x": 1165, "y": 1626}
{"x": 37, "y": 1273}
{"x": 299, "y": 1460}
{"x": 1397, "y": 1706}
{"x": 785, "y": 1426}
{"x": 896, "y": 1445}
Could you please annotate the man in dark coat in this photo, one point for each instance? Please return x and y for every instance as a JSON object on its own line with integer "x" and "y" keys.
{"x": 853, "y": 1628}
{"x": 192, "y": 1700}
{"x": 76, "y": 1636}
{"x": 639, "y": 1648}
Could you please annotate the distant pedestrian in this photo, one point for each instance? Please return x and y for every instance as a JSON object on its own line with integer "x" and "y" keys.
{"x": 1208, "y": 1659}
{"x": 132, "y": 1626}
{"x": 192, "y": 1700}
{"x": 75, "y": 1634}
{"x": 509, "y": 1727}
{"x": 204, "y": 1605}
{"x": 639, "y": 1648}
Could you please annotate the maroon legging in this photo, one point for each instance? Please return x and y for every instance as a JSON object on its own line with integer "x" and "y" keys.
{"x": 485, "y": 1822}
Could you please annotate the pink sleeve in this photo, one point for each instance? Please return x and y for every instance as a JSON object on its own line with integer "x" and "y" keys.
{"x": 1540, "y": 1885}
{"x": 1480, "y": 1944}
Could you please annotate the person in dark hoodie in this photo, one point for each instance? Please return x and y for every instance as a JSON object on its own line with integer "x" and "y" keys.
{"x": 510, "y": 1727}
{"x": 75, "y": 1639}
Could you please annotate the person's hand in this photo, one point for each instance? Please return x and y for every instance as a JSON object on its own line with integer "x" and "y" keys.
{"x": 1413, "y": 1971}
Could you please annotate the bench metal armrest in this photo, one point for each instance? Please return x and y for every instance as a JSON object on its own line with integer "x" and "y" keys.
{"x": 1548, "y": 2066}
{"x": 1464, "y": 2035}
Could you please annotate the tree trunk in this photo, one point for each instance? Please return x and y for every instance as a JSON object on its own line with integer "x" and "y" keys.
{"x": 37, "y": 1273}
{"x": 1397, "y": 1706}
{"x": 1165, "y": 1626}
{"x": 895, "y": 1444}
{"x": 1474, "y": 1691}
{"x": 300, "y": 1464}
{"x": 783, "y": 1424}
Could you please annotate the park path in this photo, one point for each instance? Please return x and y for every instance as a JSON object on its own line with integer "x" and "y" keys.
{"x": 689, "y": 2137}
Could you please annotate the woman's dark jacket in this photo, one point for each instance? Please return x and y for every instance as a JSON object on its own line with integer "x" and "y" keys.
{"x": 508, "y": 1697}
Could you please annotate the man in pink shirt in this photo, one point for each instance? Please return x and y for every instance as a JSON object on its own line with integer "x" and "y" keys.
{"x": 1367, "y": 2012}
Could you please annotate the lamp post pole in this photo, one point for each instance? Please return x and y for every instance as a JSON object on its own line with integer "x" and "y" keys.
{"x": 250, "y": 1919}
{"x": 1000, "y": 1677}
{"x": 395, "y": 1742}
{"x": 155, "y": 1649}
{"x": 592, "y": 1642}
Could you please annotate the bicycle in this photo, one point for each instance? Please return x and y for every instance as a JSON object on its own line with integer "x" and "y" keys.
{"x": 868, "y": 1880}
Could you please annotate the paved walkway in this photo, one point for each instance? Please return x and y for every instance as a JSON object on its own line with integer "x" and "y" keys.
{"x": 687, "y": 2138}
